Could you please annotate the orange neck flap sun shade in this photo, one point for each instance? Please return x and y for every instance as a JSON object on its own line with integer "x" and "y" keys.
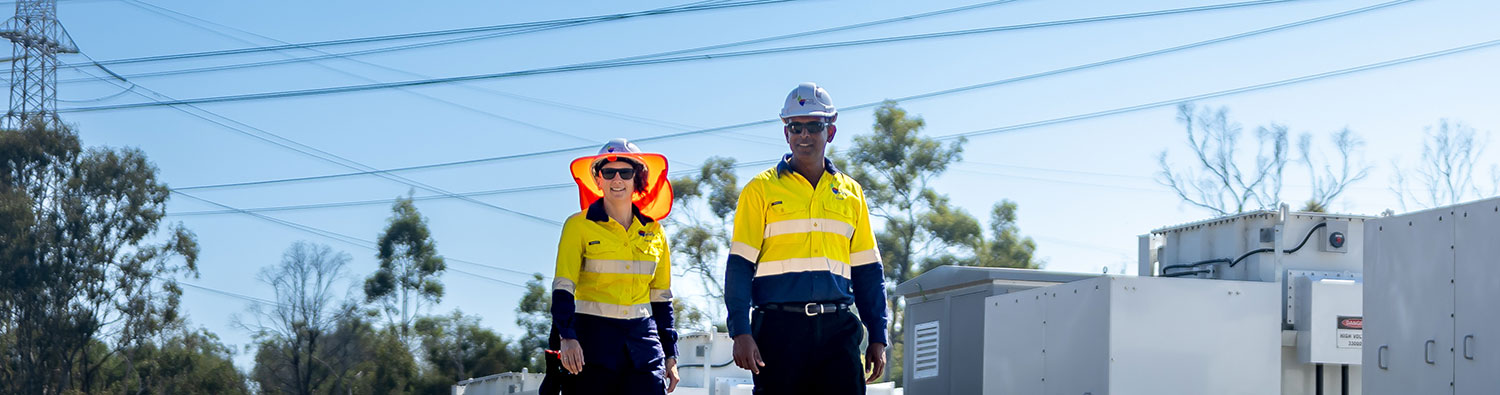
{"x": 654, "y": 202}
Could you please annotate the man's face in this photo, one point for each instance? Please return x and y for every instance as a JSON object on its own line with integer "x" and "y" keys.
{"x": 807, "y": 136}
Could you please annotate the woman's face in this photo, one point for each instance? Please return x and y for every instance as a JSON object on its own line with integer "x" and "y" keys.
{"x": 617, "y": 187}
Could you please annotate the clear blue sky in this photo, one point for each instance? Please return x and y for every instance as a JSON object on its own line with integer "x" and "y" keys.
{"x": 1085, "y": 188}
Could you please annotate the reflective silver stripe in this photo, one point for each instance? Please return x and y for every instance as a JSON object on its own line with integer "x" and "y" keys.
{"x": 661, "y": 295}
{"x": 563, "y": 284}
{"x": 618, "y": 266}
{"x": 744, "y": 251}
{"x": 612, "y": 310}
{"x": 809, "y": 225}
{"x": 864, "y": 257}
{"x": 796, "y": 265}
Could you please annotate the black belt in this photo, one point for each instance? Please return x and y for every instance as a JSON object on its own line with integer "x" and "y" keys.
{"x": 810, "y": 309}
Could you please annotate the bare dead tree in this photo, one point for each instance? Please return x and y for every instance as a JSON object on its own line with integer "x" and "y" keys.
{"x": 1335, "y": 176}
{"x": 1220, "y": 184}
{"x": 304, "y": 313}
{"x": 1451, "y": 151}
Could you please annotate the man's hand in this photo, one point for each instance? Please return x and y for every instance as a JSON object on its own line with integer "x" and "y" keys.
{"x": 571, "y": 356}
{"x": 672, "y": 377}
{"x": 747, "y": 354}
{"x": 874, "y": 361}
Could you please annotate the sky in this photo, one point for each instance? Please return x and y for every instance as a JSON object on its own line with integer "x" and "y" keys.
{"x": 1082, "y": 174}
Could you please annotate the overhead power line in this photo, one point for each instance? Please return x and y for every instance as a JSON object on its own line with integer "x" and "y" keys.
{"x": 371, "y": 202}
{"x": 654, "y": 61}
{"x": 848, "y": 108}
{"x": 201, "y": 23}
{"x": 179, "y": 17}
{"x": 350, "y": 240}
{"x": 240, "y": 127}
{"x": 234, "y": 295}
{"x": 1227, "y": 92}
{"x": 353, "y": 54}
{"x": 435, "y": 33}
{"x": 375, "y": 50}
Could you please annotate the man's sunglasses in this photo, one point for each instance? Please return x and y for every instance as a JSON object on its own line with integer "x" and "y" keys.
{"x": 813, "y": 127}
{"x": 609, "y": 173}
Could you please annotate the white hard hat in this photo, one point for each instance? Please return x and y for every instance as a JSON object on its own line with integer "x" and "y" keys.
{"x": 808, "y": 99}
{"x": 619, "y": 146}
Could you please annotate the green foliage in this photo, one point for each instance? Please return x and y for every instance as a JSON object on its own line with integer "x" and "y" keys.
{"x": 1006, "y": 247}
{"x": 697, "y": 242}
{"x": 190, "y": 362}
{"x": 409, "y": 268}
{"x": 354, "y": 358}
{"x": 687, "y": 317}
{"x": 534, "y": 316}
{"x": 79, "y": 250}
{"x": 458, "y": 347}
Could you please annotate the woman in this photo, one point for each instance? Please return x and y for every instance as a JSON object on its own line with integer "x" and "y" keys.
{"x": 611, "y": 297}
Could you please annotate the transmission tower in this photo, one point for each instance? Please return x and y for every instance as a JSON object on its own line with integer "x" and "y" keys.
{"x": 36, "y": 38}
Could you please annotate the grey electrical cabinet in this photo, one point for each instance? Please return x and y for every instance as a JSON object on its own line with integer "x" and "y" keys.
{"x": 1125, "y": 335}
{"x": 945, "y": 323}
{"x": 1431, "y": 278}
{"x": 1476, "y": 325}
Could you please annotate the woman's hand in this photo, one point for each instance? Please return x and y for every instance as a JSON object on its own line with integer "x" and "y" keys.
{"x": 572, "y": 356}
{"x": 672, "y": 378}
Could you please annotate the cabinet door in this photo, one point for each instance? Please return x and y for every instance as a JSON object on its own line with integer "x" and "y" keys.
{"x": 1408, "y": 304}
{"x": 1476, "y": 288}
{"x": 1014, "y": 341}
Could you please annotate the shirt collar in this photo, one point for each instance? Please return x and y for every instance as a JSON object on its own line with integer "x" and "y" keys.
{"x": 785, "y": 166}
{"x": 596, "y": 213}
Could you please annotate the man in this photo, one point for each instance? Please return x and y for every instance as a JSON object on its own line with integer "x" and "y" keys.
{"x": 802, "y": 252}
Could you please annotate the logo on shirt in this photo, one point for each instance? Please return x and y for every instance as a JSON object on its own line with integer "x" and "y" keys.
{"x": 835, "y": 190}
{"x": 645, "y": 233}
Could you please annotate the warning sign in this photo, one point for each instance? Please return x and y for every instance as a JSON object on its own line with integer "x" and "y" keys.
{"x": 1350, "y": 332}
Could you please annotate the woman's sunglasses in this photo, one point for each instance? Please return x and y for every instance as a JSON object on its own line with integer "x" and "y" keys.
{"x": 609, "y": 173}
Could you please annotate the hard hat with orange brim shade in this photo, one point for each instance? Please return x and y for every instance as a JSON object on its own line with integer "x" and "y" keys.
{"x": 654, "y": 201}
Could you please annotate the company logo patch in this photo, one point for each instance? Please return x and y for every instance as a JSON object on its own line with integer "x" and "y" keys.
{"x": 801, "y": 101}
{"x": 835, "y": 190}
{"x": 595, "y": 242}
{"x": 645, "y": 233}
{"x": 775, "y": 202}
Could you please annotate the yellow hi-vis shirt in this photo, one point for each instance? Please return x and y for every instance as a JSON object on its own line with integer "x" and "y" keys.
{"x": 797, "y": 243}
{"x": 612, "y": 271}
{"x": 784, "y": 225}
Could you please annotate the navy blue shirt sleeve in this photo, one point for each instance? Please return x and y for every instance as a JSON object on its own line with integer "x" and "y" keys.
{"x": 661, "y": 312}
{"x": 869, "y": 297}
{"x": 562, "y": 313}
{"x": 738, "y": 274}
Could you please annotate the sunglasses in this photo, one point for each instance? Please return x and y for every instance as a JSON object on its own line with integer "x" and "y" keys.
{"x": 813, "y": 127}
{"x": 609, "y": 173}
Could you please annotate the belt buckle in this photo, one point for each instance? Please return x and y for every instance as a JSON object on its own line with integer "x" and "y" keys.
{"x": 807, "y": 309}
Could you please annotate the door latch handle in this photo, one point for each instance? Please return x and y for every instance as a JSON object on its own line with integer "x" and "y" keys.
{"x": 1427, "y": 352}
{"x": 1468, "y": 350}
{"x": 1380, "y": 359}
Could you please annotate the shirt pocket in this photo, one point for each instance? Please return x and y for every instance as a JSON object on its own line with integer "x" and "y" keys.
{"x": 601, "y": 249}
{"x": 787, "y": 226}
{"x": 649, "y": 251}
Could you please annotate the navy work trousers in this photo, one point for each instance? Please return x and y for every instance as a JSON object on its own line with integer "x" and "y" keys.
{"x": 808, "y": 354}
